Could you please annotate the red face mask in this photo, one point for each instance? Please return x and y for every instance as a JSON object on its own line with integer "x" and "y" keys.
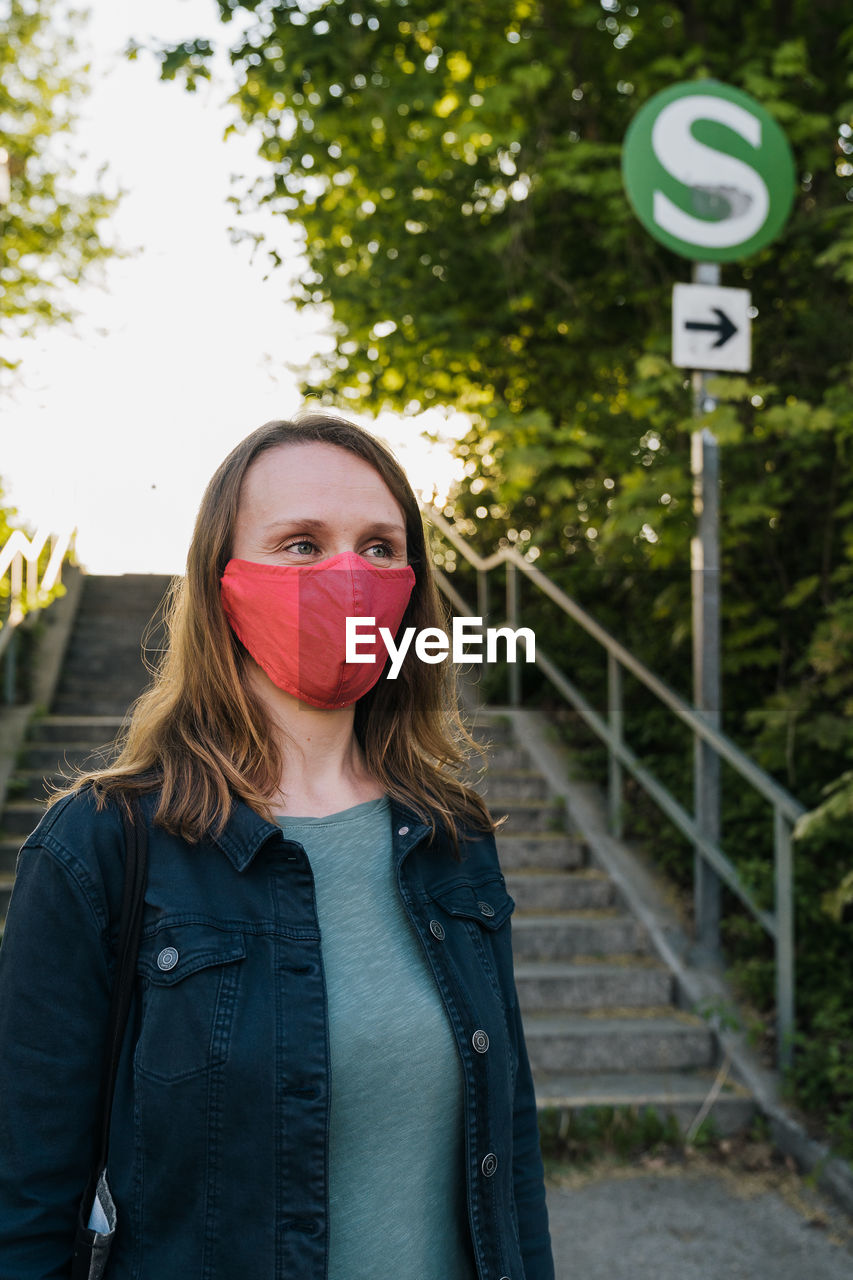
{"x": 292, "y": 620}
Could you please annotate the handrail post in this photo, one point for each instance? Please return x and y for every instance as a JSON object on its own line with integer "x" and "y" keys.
{"x": 614, "y": 765}
{"x": 10, "y": 675}
{"x": 16, "y": 613}
{"x": 706, "y": 882}
{"x": 784, "y": 884}
{"x": 483, "y": 599}
{"x": 513, "y": 668}
{"x": 32, "y": 581}
{"x": 54, "y": 543}
{"x": 16, "y": 589}
{"x": 707, "y": 683}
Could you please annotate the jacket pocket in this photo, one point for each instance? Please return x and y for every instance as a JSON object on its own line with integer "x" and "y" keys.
{"x": 488, "y": 903}
{"x": 484, "y": 909}
{"x": 481, "y": 939}
{"x": 190, "y": 976}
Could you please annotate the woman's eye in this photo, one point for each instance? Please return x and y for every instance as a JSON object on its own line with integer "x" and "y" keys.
{"x": 305, "y": 547}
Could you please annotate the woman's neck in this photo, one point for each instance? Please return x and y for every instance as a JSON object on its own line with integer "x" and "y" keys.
{"x": 323, "y": 766}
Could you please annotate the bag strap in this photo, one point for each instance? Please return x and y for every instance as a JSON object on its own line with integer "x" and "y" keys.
{"x": 130, "y": 929}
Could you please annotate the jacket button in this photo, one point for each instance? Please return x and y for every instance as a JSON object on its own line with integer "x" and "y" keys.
{"x": 403, "y": 831}
{"x": 436, "y": 928}
{"x": 490, "y": 1164}
{"x": 480, "y": 1041}
{"x": 167, "y": 958}
{"x": 486, "y": 909}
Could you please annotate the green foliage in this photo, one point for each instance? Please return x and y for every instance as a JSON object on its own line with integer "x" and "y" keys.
{"x": 456, "y": 172}
{"x": 583, "y": 1135}
{"x": 720, "y": 1013}
{"x": 823, "y": 1076}
{"x": 50, "y": 229}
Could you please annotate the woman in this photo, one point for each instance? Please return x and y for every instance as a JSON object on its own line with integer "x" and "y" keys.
{"x": 324, "y": 1073}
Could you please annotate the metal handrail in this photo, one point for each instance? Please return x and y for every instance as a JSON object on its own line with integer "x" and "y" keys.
{"x": 28, "y": 591}
{"x": 786, "y": 809}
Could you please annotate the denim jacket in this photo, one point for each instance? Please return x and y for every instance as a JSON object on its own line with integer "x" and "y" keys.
{"x": 218, "y": 1157}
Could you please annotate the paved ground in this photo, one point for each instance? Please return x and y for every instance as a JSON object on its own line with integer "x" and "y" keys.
{"x": 696, "y": 1223}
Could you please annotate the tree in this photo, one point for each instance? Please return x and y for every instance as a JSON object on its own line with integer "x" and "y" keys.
{"x": 50, "y": 229}
{"x": 456, "y": 171}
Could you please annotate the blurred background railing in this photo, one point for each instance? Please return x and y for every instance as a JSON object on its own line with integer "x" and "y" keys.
{"x": 30, "y": 579}
{"x": 779, "y": 923}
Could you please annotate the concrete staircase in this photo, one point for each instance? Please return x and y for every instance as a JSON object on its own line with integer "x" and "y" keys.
{"x": 601, "y": 1021}
{"x": 102, "y": 673}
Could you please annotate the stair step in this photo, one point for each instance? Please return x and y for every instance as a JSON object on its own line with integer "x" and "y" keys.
{"x": 498, "y": 785}
{"x": 20, "y": 817}
{"x": 552, "y": 850}
{"x": 94, "y": 729}
{"x": 569, "y": 1044}
{"x": 6, "y": 882}
{"x": 669, "y": 1093}
{"x": 529, "y": 815}
{"x": 125, "y": 631}
{"x": 48, "y": 757}
{"x": 99, "y": 705}
{"x": 102, "y": 681}
{"x": 112, "y": 670}
{"x": 563, "y": 935}
{"x": 111, "y": 678}
{"x": 554, "y": 986}
{"x": 111, "y": 596}
{"x": 111, "y": 646}
{"x": 108, "y": 586}
{"x": 502, "y": 756}
{"x": 560, "y": 891}
{"x": 35, "y": 785}
{"x": 494, "y": 731}
{"x": 115, "y": 651}
{"x": 9, "y": 855}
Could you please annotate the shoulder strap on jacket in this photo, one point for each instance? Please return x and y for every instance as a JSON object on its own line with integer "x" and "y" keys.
{"x": 130, "y": 929}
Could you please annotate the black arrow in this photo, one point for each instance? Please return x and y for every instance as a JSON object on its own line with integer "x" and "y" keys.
{"x": 723, "y": 326}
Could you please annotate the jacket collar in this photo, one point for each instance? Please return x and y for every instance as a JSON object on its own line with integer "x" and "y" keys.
{"x": 246, "y": 832}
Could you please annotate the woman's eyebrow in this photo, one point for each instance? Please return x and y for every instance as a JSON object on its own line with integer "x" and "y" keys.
{"x": 320, "y": 526}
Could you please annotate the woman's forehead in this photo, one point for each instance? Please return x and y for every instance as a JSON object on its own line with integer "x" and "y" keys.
{"x": 312, "y": 480}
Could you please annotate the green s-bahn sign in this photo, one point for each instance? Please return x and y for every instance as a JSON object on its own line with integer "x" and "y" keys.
{"x": 708, "y": 171}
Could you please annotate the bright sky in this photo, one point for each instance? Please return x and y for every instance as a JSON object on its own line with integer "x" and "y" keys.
{"x": 116, "y": 425}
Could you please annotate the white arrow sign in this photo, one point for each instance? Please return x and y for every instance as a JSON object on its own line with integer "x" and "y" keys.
{"x": 711, "y": 328}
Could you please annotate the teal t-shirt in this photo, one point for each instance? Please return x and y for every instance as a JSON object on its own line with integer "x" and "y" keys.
{"x": 397, "y": 1192}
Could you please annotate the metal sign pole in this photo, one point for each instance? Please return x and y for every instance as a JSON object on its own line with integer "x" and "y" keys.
{"x": 705, "y": 581}
{"x": 723, "y": 201}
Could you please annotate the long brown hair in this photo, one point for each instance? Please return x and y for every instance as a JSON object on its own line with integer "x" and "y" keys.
{"x": 199, "y": 733}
